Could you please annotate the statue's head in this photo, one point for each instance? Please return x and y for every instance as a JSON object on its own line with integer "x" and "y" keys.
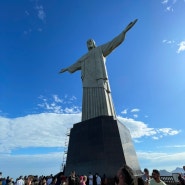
{"x": 91, "y": 44}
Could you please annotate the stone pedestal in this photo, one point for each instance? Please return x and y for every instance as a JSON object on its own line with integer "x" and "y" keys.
{"x": 101, "y": 145}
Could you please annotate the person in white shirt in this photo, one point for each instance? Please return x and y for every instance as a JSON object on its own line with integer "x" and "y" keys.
{"x": 90, "y": 177}
{"x": 156, "y": 178}
{"x": 146, "y": 176}
{"x": 20, "y": 181}
{"x": 98, "y": 179}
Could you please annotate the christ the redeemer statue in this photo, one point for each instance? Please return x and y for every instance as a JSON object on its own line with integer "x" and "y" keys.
{"x": 97, "y": 100}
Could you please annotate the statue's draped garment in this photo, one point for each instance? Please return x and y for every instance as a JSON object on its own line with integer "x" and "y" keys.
{"x": 97, "y": 100}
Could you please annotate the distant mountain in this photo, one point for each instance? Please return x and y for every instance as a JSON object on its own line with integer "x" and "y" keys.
{"x": 178, "y": 170}
{"x": 165, "y": 173}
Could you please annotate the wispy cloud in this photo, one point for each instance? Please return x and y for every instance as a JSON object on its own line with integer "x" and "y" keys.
{"x": 159, "y": 159}
{"x": 40, "y": 12}
{"x": 175, "y": 146}
{"x": 135, "y": 116}
{"x": 168, "y": 41}
{"x": 169, "y": 4}
{"x": 181, "y": 47}
{"x": 135, "y": 110}
{"x": 169, "y": 8}
{"x": 33, "y": 15}
{"x": 168, "y": 131}
{"x": 57, "y": 99}
{"x": 132, "y": 111}
{"x": 56, "y": 105}
{"x": 165, "y": 1}
{"x": 124, "y": 111}
{"x": 159, "y": 156}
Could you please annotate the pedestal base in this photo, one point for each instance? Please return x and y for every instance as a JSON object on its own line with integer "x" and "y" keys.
{"x": 101, "y": 145}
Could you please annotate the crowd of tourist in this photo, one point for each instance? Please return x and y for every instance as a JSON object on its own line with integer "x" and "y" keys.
{"x": 155, "y": 178}
{"x": 124, "y": 176}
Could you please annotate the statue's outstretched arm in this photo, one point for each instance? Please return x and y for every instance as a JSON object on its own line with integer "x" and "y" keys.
{"x": 130, "y": 25}
{"x": 111, "y": 45}
{"x": 63, "y": 70}
{"x": 71, "y": 69}
{"x": 74, "y": 67}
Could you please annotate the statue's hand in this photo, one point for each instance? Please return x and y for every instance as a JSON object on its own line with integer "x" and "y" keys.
{"x": 130, "y": 25}
{"x": 63, "y": 70}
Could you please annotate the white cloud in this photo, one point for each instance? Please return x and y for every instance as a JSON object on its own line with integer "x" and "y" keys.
{"x": 161, "y": 160}
{"x": 162, "y": 157}
{"x": 135, "y": 116}
{"x": 73, "y": 98}
{"x": 135, "y": 110}
{"x": 72, "y": 110}
{"x": 168, "y": 41}
{"x": 165, "y": 1}
{"x": 168, "y": 131}
{"x": 181, "y": 47}
{"x": 49, "y": 130}
{"x": 38, "y": 130}
{"x": 40, "y": 12}
{"x": 124, "y": 111}
{"x": 139, "y": 129}
{"x": 37, "y": 14}
{"x": 155, "y": 137}
{"x": 57, "y": 99}
{"x": 169, "y": 8}
{"x": 175, "y": 146}
{"x": 169, "y": 5}
{"x": 56, "y": 105}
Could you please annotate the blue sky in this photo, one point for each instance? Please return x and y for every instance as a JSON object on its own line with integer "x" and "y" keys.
{"x": 146, "y": 74}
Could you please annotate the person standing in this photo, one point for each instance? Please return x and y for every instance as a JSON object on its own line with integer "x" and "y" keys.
{"x": 20, "y": 181}
{"x": 156, "y": 178}
{"x": 181, "y": 179}
{"x": 104, "y": 180}
{"x": 146, "y": 176}
{"x": 125, "y": 176}
{"x": 84, "y": 179}
{"x": 90, "y": 178}
{"x": 73, "y": 179}
{"x": 98, "y": 179}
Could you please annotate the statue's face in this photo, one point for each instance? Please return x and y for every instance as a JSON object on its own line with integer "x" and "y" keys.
{"x": 90, "y": 44}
